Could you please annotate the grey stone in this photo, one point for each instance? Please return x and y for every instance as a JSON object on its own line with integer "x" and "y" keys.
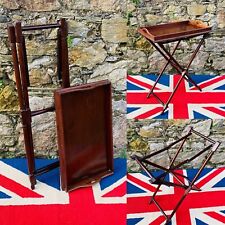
{"x": 78, "y": 29}
{"x": 119, "y": 131}
{"x": 221, "y": 18}
{"x": 115, "y": 30}
{"x": 112, "y": 59}
{"x": 44, "y": 134}
{"x": 153, "y": 19}
{"x": 13, "y": 4}
{"x": 199, "y": 61}
{"x": 7, "y": 136}
{"x": 221, "y": 4}
{"x": 119, "y": 106}
{"x": 76, "y": 81}
{"x": 219, "y": 63}
{"x": 197, "y": 145}
{"x": 37, "y": 103}
{"x": 88, "y": 56}
{"x": 40, "y": 5}
{"x": 215, "y": 45}
{"x": 78, "y": 4}
{"x": 115, "y": 72}
{"x": 156, "y": 146}
{"x": 3, "y": 19}
{"x": 196, "y": 9}
{"x": 156, "y": 61}
{"x": 140, "y": 60}
{"x": 6, "y": 126}
{"x": 39, "y": 77}
{"x": 147, "y": 131}
{"x": 3, "y": 47}
{"x": 42, "y": 61}
{"x": 202, "y": 126}
{"x": 109, "y": 5}
{"x": 211, "y": 8}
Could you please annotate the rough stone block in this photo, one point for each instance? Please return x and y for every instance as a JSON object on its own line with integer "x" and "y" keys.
{"x": 221, "y": 18}
{"x": 8, "y": 99}
{"x": 88, "y": 56}
{"x": 196, "y": 9}
{"x": 115, "y": 30}
{"x": 40, "y": 5}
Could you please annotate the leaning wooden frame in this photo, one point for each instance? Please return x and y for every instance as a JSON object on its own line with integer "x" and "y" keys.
{"x": 18, "y": 48}
{"x": 159, "y": 180}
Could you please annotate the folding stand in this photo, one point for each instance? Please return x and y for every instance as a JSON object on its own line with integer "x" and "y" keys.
{"x": 166, "y": 33}
{"x": 18, "y": 47}
{"x": 160, "y": 180}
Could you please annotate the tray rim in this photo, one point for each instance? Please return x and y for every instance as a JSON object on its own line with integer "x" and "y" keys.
{"x": 174, "y": 36}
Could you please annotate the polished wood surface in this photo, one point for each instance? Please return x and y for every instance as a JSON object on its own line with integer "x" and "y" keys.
{"x": 84, "y": 130}
{"x": 175, "y": 30}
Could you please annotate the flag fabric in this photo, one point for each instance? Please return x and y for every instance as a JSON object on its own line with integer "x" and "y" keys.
{"x": 205, "y": 207}
{"x": 48, "y": 205}
{"x": 187, "y": 103}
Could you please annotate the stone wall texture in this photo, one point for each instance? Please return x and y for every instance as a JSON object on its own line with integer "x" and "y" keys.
{"x": 103, "y": 43}
{"x": 147, "y": 136}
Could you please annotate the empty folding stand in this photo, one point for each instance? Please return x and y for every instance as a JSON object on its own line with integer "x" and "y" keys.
{"x": 18, "y": 48}
{"x": 147, "y": 163}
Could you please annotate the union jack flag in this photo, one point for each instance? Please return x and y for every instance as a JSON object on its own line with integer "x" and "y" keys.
{"x": 48, "y": 205}
{"x": 187, "y": 103}
{"x": 206, "y": 207}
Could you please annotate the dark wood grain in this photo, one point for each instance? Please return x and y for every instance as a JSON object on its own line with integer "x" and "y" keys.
{"x": 84, "y": 126}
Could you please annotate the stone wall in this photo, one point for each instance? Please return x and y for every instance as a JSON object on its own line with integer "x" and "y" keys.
{"x": 147, "y": 136}
{"x": 97, "y": 50}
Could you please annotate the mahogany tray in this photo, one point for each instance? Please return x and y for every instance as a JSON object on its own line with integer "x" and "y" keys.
{"x": 84, "y": 130}
{"x": 174, "y": 31}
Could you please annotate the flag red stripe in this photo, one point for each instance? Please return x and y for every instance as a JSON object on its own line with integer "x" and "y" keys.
{"x": 136, "y": 81}
{"x": 141, "y": 183}
{"x": 209, "y": 82}
{"x": 209, "y": 177}
{"x": 216, "y": 110}
{"x": 17, "y": 188}
{"x": 158, "y": 221}
{"x": 191, "y": 98}
{"x": 216, "y": 216}
{"x": 119, "y": 191}
{"x": 168, "y": 202}
{"x": 149, "y": 113}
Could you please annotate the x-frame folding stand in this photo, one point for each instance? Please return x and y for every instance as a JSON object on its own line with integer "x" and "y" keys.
{"x": 150, "y": 33}
{"x": 18, "y": 48}
{"x": 160, "y": 180}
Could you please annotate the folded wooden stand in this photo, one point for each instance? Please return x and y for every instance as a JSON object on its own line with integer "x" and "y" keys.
{"x": 161, "y": 34}
{"x": 18, "y": 47}
{"x": 147, "y": 160}
{"x": 84, "y": 116}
